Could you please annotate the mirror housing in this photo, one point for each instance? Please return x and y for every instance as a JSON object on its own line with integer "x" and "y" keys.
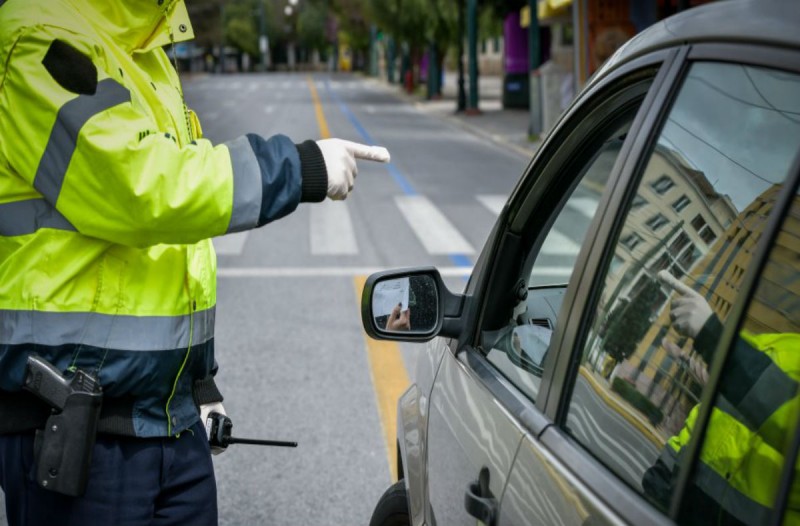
{"x": 399, "y": 291}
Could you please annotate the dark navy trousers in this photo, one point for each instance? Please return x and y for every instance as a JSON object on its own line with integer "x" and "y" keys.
{"x": 154, "y": 482}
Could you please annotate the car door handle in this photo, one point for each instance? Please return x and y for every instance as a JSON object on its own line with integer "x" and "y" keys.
{"x": 479, "y": 501}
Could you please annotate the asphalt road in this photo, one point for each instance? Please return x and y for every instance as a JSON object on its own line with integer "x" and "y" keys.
{"x": 293, "y": 357}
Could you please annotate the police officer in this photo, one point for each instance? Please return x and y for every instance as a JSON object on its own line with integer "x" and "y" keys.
{"x": 109, "y": 196}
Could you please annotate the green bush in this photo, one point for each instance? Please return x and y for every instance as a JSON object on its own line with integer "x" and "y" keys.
{"x": 627, "y": 391}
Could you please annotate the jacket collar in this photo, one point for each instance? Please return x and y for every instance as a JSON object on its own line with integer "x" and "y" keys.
{"x": 138, "y": 25}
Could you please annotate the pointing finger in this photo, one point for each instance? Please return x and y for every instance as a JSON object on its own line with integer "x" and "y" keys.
{"x": 369, "y": 153}
{"x": 669, "y": 280}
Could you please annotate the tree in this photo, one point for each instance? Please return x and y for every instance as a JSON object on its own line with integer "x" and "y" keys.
{"x": 241, "y": 29}
{"x": 442, "y": 32}
{"x": 311, "y": 26}
{"x": 628, "y": 323}
{"x": 419, "y": 25}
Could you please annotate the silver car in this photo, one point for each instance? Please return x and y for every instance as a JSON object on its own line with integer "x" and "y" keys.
{"x": 627, "y": 348}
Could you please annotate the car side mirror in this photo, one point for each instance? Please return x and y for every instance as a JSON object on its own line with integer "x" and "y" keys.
{"x": 407, "y": 305}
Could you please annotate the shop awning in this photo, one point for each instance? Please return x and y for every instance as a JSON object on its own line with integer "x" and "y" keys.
{"x": 546, "y": 9}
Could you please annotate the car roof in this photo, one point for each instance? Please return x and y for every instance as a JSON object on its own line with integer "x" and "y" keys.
{"x": 766, "y": 22}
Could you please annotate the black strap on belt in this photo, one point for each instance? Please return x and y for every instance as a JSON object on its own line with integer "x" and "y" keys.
{"x": 21, "y": 411}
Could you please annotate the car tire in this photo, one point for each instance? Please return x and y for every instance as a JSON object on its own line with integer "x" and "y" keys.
{"x": 392, "y": 508}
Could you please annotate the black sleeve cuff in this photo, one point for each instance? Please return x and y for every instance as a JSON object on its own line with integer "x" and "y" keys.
{"x": 312, "y": 169}
{"x": 708, "y": 338}
{"x": 206, "y": 391}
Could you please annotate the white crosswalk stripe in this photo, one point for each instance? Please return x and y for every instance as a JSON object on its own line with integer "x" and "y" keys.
{"x": 436, "y": 233}
{"x": 332, "y": 229}
{"x": 584, "y": 205}
{"x": 493, "y": 202}
{"x": 557, "y": 244}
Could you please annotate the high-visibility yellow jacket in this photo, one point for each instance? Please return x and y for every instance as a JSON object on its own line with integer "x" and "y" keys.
{"x": 751, "y": 427}
{"x": 108, "y": 199}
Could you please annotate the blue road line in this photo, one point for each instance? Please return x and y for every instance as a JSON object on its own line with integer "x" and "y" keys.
{"x": 398, "y": 177}
{"x": 460, "y": 260}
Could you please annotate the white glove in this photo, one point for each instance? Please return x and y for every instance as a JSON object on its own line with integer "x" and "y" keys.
{"x": 690, "y": 311}
{"x": 207, "y": 409}
{"x": 340, "y": 162}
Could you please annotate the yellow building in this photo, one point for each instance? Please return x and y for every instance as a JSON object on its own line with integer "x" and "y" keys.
{"x": 718, "y": 277}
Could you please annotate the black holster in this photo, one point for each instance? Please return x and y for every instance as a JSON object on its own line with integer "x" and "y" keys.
{"x": 63, "y": 449}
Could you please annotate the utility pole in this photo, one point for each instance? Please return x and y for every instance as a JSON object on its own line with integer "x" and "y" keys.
{"x": 222, "y": 37}
{"x": 462, "y": 95}
{"x": 390, "y": 59}
{"x": 534, "y": 61}
{"x": 472, "y": 49}
{"x": 263, "y": 40}
{"x": 373, "y": 51}
{"x": 433, "y": 71}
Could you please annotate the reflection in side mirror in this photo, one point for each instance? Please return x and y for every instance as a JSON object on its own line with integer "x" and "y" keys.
{"x": 406, "y": 305}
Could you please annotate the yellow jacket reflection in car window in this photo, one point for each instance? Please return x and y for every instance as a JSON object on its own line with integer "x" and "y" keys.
{"x": 756, "y": 412}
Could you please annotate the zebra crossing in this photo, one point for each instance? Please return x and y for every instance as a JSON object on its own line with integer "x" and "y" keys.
{"x": 436, "y": 233}
{"x": 298, "y": 85}
{"x": 332, "y": 233}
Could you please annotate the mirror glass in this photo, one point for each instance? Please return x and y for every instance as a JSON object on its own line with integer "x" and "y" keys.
{"x": 406, "y": 305}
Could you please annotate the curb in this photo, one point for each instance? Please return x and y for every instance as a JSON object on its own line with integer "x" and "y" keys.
{"x": 496, "y": 139}
{"x": 486, "y": 135}
{"x": 623, "y": 411}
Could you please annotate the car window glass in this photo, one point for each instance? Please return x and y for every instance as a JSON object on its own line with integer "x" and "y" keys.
{"x": 757, "y": 405}
{"x": 519, "y": 352}
{"x": 692, "y": 225}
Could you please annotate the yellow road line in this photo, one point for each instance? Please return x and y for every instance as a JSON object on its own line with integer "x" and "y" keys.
{"x": 389, "y": 379}
{"x": 647, "y": 431}
{"x": 323, "y": 124}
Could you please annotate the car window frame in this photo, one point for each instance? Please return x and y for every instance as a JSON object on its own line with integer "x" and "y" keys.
{"x": 579, "y": 314}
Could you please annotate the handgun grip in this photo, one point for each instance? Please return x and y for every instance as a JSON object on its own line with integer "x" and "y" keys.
{"x": 46, "y": 382}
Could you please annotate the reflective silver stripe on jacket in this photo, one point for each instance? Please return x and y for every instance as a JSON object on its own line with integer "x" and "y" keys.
{"x": 26, "y": 217}
{"x": 107, "y": 331}
{"x": 247, "y": 187}
{"x": 772, "y": 389}
{"x": 64, "y": 135}
{"x": 729, "y": 498}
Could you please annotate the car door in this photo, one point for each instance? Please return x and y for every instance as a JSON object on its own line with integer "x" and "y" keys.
{"x": 485, "y": 396}
{"x": 652, "y": 422}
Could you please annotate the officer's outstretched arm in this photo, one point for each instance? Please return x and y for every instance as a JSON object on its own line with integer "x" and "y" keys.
{"x": 90, "y": 147}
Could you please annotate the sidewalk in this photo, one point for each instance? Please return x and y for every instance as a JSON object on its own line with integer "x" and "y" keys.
{"x": 507, "y": 127}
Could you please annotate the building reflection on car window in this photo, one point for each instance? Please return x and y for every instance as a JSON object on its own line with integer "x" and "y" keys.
{"x": 701, "y": 206}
